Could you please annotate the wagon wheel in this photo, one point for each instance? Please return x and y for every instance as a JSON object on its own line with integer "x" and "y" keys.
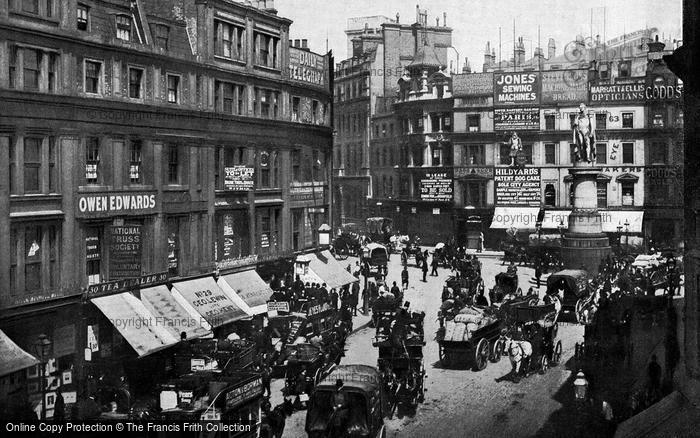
{"x": 481, "y": 354}
{"x": 556, "y": 356}
{"x": 544, "y": 364}
{"x": 497, "y": 350}
{"x": 555, "y": 330}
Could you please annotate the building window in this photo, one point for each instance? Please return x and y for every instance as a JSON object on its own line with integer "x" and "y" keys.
{"x": 601, "y": 151}
{"x": 601, "y": 121}
{"x": 624, "y": 69}
{"x": 266, "y": 103}
{"x": 268, "y": 226}
{"x": 658, "y": 153}
{"x": 135, "y": 82}
{"x": 474, "y": 194}
{"x": 93, "y": 254}
{"x": 296, "y": 165}
{"x": 602, "y": 193}
{"x": 627, "y": 120}
{"x": 173, "y": 88}
{"x": 604, "y": 71}
{"x": 82, "y": 23}
{"x": 161, "y": 35}
{"x": 550, "y": 195}
{"x": 135, "y": 160}
{"x": 174, "y": 246}
{"x": 32, "y": 68}
{"x": 227, "y": 157}
{"x": 550, "y": 153}
{"x": 173, "y": 164}
{"x": 527, "y": 150}
{"x": 572, "y": 119}
{"x": 627, "y": 193}
{"x": 296, "y": 101}
{"x": 473, "y": 155}
{"x": 229, "y": 40}
{"x": 34, "y": 258}
{"x": 318, "y": 165}
{"x": 229, "y": 98}
{"x": 316, "y": 117}
{"x": 233, "y": 236}
{"x": 504, "y": 152}
{"x": 30, "y": 6}
{"x": 627, "y": 153}
{"x": 572, "y": 153}
{"x": 12, "y": 64}
{"x": 53, "y": 67}
{"x": 32, "y": 165}
{"x": 53, "y": 171}
{"x": 550, "y": 122}
{"x": 123, "y": 27}
{"x": 92, "y": 160}
{"x": 93, "y": 75}
{"x": 268, "y": 170}
{"x": 266, "y": 48}
{"x": 473, "y": 123}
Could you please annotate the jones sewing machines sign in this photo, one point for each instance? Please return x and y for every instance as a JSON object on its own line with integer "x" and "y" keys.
{"x": 436, "y": 186}
{"x": 105, "y": 204}
{"x": 516, "y": 89}
{"x": 518, "y": 186}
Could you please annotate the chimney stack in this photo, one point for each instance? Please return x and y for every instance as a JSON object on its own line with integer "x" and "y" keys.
{"x": 487, "y": 55}
{"x": 437, "y": 21}
{"x": 397, "y": 18}
{"x": 297, "y": 43}
{"x": 656, "y": 45}
{"x": 551, "y": 49}
{"x": 305, "y": 44}
{"x": 520, "y": 52}
{"x": 466, "y": 68}
{"x": 444, "y": 19}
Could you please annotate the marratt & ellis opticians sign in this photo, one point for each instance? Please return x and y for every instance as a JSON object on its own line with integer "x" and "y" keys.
{"x": 104, "y": 204}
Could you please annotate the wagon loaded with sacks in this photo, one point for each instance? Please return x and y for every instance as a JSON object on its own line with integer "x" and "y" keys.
{"x": 472, "y": 337}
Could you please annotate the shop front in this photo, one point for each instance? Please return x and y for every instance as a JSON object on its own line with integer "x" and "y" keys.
{"x": 247, "y": 290}
{"x": 13, "y": 376}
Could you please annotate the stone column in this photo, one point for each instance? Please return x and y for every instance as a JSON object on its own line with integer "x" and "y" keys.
{"x": 585, "y": 244}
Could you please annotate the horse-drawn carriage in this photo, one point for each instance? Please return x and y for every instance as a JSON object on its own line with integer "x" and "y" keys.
{"x": 572, "y": 287}
{"x": 385, "y": 305}
{"x": 471, "y": 337}
{"x": 379, "y": 229}
{"x": 305, "y": 366}
{"x": 375, "y": 256}
{"x": 506, "y": 284}
{"x": 400, "y": 339}
{"x": 466, "y": 286}
{"x": 346, "y": 244}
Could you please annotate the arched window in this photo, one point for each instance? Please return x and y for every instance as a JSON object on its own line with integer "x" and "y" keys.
{"x": 550, "y": 195}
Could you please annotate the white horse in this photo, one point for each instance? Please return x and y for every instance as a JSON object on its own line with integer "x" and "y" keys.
{"x": 519, "y": 352}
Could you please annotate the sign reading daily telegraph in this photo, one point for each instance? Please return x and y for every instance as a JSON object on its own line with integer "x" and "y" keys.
{"x": 516, "y": 89}
{"x": 631, "y": 90}
{"x": 564, "y": 86}
{"x": 307, "y": 67}
{"x": 516, "y": 186}
{"x": 104, "y": 204}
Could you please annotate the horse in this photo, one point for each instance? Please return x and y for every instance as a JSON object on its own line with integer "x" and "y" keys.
{"x": 520, "y": 353}
{"x": 274, "y": 420}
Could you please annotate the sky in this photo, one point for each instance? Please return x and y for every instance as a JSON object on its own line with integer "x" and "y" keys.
{"x": 476, "y": 22}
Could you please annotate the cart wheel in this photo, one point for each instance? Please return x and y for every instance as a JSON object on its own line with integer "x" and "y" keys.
{"x": 496, "y": 350}
{"x": 544, "y": 364}
{"x": 556, "y": 357}
{"x": 481, "y": 354}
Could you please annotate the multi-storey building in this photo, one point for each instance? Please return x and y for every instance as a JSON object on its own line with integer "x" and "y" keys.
{"x": 365, "y": 86}
{"x": 145, "y": 143}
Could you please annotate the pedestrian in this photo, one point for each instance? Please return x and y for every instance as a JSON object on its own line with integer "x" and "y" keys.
{"x": 323, "y": 293}
{"x": 434, "y": 265}
{"x": 355, "y": 297}
{"x": 59, "y": 410}
{"x": 404, "y": 257}
{"x": 365, "y": 300}
{"x": 357, "y": 270}
{"x": 654, "y": 371}
{"x": 480, "y": 248}
{"x": 266, "y": 379}
{"x": 424, "y": 267}
{"x": 334, "y": 299}
{"x": 404, "y": 278}
{"x": 538, "y": 275}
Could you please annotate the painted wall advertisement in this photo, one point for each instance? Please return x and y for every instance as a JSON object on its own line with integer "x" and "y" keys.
{"x": 518, "y": 186}
{"x": 125, "y": 246}
{"x": 436, "y": 186}
{"x": 307, "y": 67}
{"x": 472, "y": 84}
{"x": 516, "y": 89}
{"x": 623, "y": 90}
{"x": 565, "y": 86}
{"x": 516, "y": 119}
{"x": 239, "y": 178}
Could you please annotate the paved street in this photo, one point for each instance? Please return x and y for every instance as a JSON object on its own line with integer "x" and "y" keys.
{"x": 461, "y": 402}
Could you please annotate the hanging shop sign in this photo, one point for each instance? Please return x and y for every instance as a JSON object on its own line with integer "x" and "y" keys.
{"x": 308, "y": 67}
{"x": 472, "y": 172}
{"x": 278, "y": 306}
{"x": 112, "y": 287}
{"x": 125, "y": 245}
{"x": 436, "y": 186}
{"x": 622, "y": 91}
{"x": 516, "y": 119}
{"x": 518, "y": 186}
{"x": 516, "y": 89}
{"x": 565, "y": 86}
{"x": 305, "y": 192}
{"x": 94, "y": 205}
{"x": 243, "y": 393}
{"x": 472, "y": 84}
{"x": 663, "y": 87}
{"x": 239, "y": 178}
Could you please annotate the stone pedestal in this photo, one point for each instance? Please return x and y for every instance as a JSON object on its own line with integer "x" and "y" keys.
{"x": 585, "y": 245}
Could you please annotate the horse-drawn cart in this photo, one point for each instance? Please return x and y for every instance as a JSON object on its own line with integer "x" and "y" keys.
{"x": 472, "y": 336}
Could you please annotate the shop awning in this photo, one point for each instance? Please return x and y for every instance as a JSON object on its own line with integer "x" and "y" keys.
{"x": 514, "y": 217}
{"x": 553, "y": 218}
{"x": 247, "y": 290}
{"x": 674, "y": 415}
{"x": 135, "y": 323}
{"x": 327, "y": 268}
{"x": 207, "y": 298}
{"x": 172, "y": 314}
{"x": 614, "y": 218}
{"x": 13, "y": 357}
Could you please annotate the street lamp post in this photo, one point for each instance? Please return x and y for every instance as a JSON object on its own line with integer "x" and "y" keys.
{"x": 42, "y": 348}
{"x": 580, "y": 395}
{"x": 619, "y": 238}
{"x": 539, "y": 245}
{"x": 561, "y": 240}
{"x": 627, "y": 237}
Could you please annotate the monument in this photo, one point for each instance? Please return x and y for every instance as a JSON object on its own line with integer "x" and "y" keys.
{"x": 584, "y": 245}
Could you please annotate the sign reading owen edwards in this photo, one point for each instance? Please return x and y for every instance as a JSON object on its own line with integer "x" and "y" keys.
{"x": 91, "y": 205}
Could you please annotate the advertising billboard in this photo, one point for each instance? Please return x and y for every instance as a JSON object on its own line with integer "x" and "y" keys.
{"x": 622, "y": 91}
{"x": 308, "y": 67}
{"x": 565, "y": 86}
{"x": 511, "y": 89}
{"x": 436, "y": 186}
{"x": 518, "y": 186}
{"x": 516, "y": 119}
{"x": 472, "y": 84}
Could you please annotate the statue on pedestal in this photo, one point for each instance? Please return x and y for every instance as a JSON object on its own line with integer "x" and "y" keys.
{"x": 584, "y": 136}
{"x": 516, "y": 146}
